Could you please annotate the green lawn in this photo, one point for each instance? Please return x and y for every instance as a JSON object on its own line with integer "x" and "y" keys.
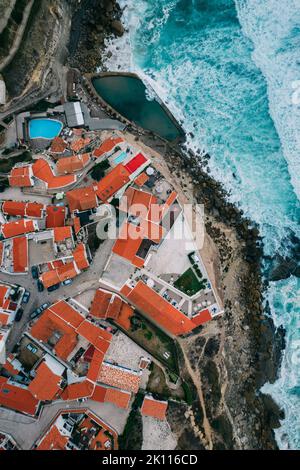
{"x": 189, "y": 283}
{"x": 154, "y": 340}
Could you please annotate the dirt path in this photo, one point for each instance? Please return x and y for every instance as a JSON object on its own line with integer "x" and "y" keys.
{"x": 197, "y": 382}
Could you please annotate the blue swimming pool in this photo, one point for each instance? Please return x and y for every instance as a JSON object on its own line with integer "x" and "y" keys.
{"x": 44, "y": 128}
{"x": 120, "y": 157}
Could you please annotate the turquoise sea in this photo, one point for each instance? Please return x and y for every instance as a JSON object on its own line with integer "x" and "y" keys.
{"x": 230, "y": 71}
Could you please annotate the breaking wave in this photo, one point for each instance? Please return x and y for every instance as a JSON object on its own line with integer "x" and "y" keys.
{"x": 230, "y": 74}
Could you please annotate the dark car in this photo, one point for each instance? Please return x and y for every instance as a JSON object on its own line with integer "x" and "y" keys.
{"x": 40, "y": 286}
{"x": 38, "y": 311}
{"x": 52, "y": 288}
{"x": 34, "y": 272}
{"x": 26, "y": 297}
{"x": 19, "y": 314}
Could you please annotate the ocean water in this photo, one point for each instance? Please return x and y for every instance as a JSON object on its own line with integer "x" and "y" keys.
{"x": 230, "y": 72}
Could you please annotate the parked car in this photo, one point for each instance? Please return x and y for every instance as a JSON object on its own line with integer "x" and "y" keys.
{"x": 40, "y": 286}
{"x": 26, "y": 297}
{"x": 19, "y": 314}
{"x": 52, "y": 288}
{"x": 39, "y": 310}
{"x": 31, "y": 348}
{"x": 34, "y": 272}
{"x": 67, "y": 282}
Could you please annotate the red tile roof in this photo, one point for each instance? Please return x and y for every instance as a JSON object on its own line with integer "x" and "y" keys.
{"x": 114, "y": 307}
{"x": 49, "y": 324}
{"x": 34, "y": 209}
{"x": 128, "y": 244}
{"x": 62, "y": 233}
{"x": 78, "y": 390}
{"x": 21, "y": 176}
{"x": 53, "y": 440}
{"x": 4, "y": 300}
{"x": 58, "y": 145}
{"x": 155, "y": 408}
{"x": 121, "y": 378}
{"x": 95, "y": 335}
{"x": 4, "y": 318}
{"x": 82, "y": 198}
{"x": 141, "y": 179}
{"x": 103, "y": 306}
{"x": 19, "y": 227}
{"x": 131, "y": 237}
{"x": 46, "y": 384}
{"x": 55, "y": 216}
{"x": 59, "y": 274}
{"x": 14, "y": 208}
{"x": 50, "y": 278}
{"x": 124, "y": 316}
{"x": 100, "y": 304}
{"x": 107, "y": 146}
{"x": 166, "y": 206}
{"x": 120, "y": 398}
{"x": 99, "y": 394}
{"x": 159, "y": 310}
{"x": 80, "y": 143}
{"x": 17, "y": 398}
{"x": 77, "y": 224}
{"x": 112, "y": 182}
{"x": 72, "y": 164}
{"x": 202, "y": 317}
{"x": 42, "y": 170}
{"x": 95, "y": 365}
{"x": 137, "y": 202}
{"x": 20, "y": 254}
{"x": 65, "y": 311}
{"x": 80, "y": 257}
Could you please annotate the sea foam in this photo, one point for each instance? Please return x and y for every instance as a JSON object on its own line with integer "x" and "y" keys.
{"x": 204, "y": 60}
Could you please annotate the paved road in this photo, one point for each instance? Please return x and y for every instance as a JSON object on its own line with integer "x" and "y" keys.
{"x": 25, "y": 430}
{"x": 84, "y": 281}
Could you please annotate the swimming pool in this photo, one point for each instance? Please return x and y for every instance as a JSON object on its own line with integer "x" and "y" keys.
{"x": 44, "y": 128}
{"x": 120, "y": 157}
{"x": 128, "y": 95}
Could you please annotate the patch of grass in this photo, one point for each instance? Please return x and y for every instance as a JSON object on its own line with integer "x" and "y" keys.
{"x": 188, "y": 395}
{"x": 153, "y": 340}
{"x": 148, "y": 335}
{"x": 189, "y": 283}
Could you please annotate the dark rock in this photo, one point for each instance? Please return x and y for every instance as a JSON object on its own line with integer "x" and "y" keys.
{"x": 117, "y": 27}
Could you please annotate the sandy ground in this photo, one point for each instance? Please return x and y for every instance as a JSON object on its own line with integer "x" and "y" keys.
{"x": 17, "y": 195}
{"x": 157, "y": 435}
{"x": 125, "y": 352}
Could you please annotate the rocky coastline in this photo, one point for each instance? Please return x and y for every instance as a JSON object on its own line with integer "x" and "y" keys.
{"x": 244, "y": 351}
{"x": 92, "y": 22}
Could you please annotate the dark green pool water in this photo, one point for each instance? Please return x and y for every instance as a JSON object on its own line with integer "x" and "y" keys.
{"x": 127, "y": 95}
